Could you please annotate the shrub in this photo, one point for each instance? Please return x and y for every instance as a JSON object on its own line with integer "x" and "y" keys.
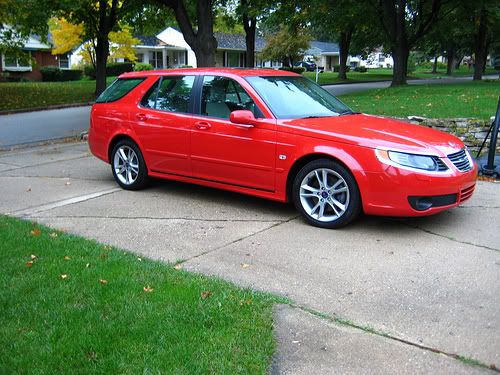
{"x": 50, "y": 73}
{"x": 142, "y": 66}
{"x": 336, "y": 68}
{"x": 71, "y": 75}
{"x": 295, "y": 69}
{"x": 430, "y": 64}
{"x": 115, "y": 69}
{"x": 361, "y": 69}
{"x": 186, "y": 66}
{"x": 89, "y": 71}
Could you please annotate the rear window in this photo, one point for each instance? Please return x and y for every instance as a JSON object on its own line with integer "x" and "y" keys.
{"x": 118, "y": 89}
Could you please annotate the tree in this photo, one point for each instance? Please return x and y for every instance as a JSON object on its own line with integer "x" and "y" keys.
{"x": 198, "y": 31}
{"x": 99, "y": 17}
{"x": 67, "y": 36}
{"x": 286, "y": 45}
{"x": 404, "y": 23}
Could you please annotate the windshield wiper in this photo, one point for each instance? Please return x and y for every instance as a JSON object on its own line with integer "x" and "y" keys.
{"x": 349, "y": 112}
{"x": 314, "y": 116}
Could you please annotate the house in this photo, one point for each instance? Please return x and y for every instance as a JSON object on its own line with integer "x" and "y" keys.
{"x": 376, "y": 59}
{"x": 231, "y": 49}
{"x": 37, "y": 54}
{"x": 325, "y": 54}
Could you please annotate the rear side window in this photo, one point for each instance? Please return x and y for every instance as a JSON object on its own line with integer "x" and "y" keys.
{"x": 118, "y": 89}
{"x": 171, "y": 94}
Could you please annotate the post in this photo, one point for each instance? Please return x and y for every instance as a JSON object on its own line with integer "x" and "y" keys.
{"x": 489, "y": 168}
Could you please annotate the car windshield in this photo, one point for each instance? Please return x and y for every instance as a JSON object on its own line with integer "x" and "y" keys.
{"x": 291, "y": 97}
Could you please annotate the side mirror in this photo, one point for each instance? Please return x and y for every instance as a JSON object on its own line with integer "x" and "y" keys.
{"x": 243, "y": 118}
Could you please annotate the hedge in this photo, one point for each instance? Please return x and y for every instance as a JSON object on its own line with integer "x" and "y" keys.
{"x": 112, "y": 69}
{"x": 336, "y": 68}
{"x": 54, "y": 73}
{"x": 295, "y": 69}
{"x": 142, "y": 66}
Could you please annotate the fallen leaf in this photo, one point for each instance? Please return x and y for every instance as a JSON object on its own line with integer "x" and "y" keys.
{"x": 102, "y": 281}
{"x": 28, "y": 190}
{"x": 245, "y": 265}
{"x": 33, "y": 256}
{"x": 103, "y": 255}
{"x": 67, "y": 183}
{"x": 29, "y": 264}
{"x": 87, "y": 265}
{"x": 107, "y": 247}
{"x": 64, "y": 276}
{"x": 148, "y": 289}
{"x": 53, "y": 234}
{"x": 205, "y": 294}
{"x": 67, "y": 258}
{"x": 36, "y": 232}
{"x": 139, "y": 259}
{"x": 178, "y": 266}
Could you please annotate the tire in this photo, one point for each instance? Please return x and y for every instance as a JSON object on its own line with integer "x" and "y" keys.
{"x": 331, "y": 206}
{"x": 128, "y": 166}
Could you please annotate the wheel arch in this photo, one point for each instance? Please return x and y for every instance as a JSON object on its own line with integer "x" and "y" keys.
{"x": 305, "y": 159}
{"x": 117, "y": 138}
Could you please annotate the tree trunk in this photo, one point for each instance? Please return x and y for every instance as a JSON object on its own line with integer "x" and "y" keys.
{"x": 345, "y": 41}
{"x": 202, "y": 42}
{"x": 480, "y": 46}
{"x": 450, "y": 63}
{"x": 435, "y": 65}
{"x": 400, "y": 55}
{"x": 250, "y": 25}
{"x": 101, "y": 57}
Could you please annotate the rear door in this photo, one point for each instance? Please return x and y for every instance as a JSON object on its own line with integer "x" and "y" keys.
{"x": 225, "y": 152}
{"x": 162, "y": 123}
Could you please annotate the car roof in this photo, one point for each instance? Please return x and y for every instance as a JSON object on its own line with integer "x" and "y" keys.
{"x": 242, "y": 72}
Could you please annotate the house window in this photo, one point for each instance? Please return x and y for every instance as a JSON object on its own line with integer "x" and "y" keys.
{"x": 17, "y": 63}
{"x": 63, "y": 61}
{"x": 156, "y": 59}
{"x": 233, "y": 59}
{"x": 381, "y": 58}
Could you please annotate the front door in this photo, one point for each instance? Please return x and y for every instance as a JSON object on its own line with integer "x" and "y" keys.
{"x": 225, "y": 152}
{"x": 162, "y": 124}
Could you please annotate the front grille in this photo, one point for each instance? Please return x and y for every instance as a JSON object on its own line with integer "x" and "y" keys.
{"x": 460, "y": 160}
{"x": 466, "y": 193}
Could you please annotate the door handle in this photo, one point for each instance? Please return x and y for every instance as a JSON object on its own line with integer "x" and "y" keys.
{"x": 202, "y": 125}
{"x": 141, "y": 116}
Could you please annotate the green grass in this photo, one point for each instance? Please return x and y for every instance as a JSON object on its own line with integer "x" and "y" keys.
{"x": 187, "y": 324}
{"x": 25, "y": 95}
{"x": 471, "y": 99}
{"x": 382, "y": 74}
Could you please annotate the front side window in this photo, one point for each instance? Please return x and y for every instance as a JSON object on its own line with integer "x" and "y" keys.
{"x": 221, "y": 95}
{"x": 170, "y": 94}
{"x": 291, "y": 97}
{"x": 118, "y": 89}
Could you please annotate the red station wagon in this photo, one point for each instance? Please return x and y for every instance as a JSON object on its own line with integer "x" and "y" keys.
{"x": 275, "y": 135}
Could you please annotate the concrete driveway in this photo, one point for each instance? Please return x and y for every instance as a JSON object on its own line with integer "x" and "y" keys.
{"x": 381, "y": 296}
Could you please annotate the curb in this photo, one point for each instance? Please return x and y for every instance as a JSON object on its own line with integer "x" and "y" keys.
{"x": 82, "y": 137}
{"x": 48, "y": 108}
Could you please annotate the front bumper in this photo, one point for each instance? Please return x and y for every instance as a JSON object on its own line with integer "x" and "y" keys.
{"x": 392, "y": 191}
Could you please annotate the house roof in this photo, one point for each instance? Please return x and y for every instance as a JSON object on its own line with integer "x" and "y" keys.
{"x": 322, "y": 48}
{"x": 148, "y": 40}
{"x": 237, "y": 42}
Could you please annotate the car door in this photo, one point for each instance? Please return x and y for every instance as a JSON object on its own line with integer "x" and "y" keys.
{"x": 226, "y": 152}
{"x": 162, "y": 123}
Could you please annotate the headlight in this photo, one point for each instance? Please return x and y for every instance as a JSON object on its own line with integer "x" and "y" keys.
{"x": 422, "y": 162}
{"x": 414, "y": 161}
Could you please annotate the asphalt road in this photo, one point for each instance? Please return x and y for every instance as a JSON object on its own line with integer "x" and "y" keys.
{"x": 427, "y": 288}
{"x": 40, "y": 126}
{"x": 32, "y": 127}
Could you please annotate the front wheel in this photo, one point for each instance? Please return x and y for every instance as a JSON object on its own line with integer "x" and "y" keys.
{"x": 326, "y": 194}
{"x": 128, "y": 166}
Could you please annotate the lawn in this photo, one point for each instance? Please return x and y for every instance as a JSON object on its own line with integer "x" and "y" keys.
{"x": 472, "y": 99}
{"x": 382, "y": 74}
{"x": 70, "y": 305}
{"x": 21, "y": 95}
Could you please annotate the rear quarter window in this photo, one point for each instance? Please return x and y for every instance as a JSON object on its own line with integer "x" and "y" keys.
{"x": 118, "y": 89}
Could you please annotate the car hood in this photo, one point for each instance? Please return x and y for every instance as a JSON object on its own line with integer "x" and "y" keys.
{"x": 374, "y": 131}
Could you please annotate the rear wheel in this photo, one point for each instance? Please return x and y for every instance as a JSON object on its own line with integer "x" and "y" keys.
{"x": 326, "y": 194}
{"x": 128, "y": 166}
